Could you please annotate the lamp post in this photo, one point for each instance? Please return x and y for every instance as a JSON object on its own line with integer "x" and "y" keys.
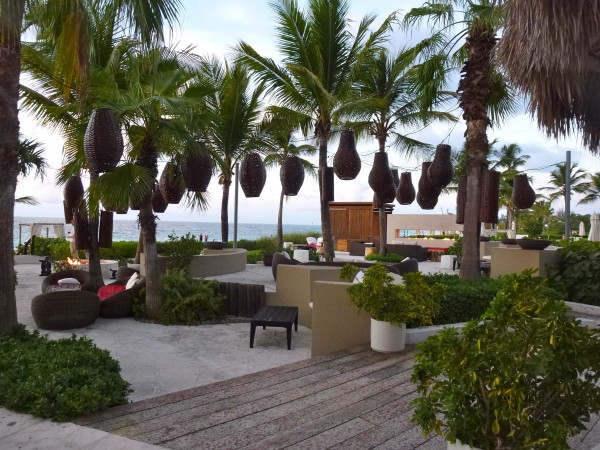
{"x": 568, "y": 195}
{"x": 235, "y": 202}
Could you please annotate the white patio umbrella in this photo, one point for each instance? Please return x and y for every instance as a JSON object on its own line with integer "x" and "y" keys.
{"x": 581, "y": 229}
{"x": 594, "y": 228}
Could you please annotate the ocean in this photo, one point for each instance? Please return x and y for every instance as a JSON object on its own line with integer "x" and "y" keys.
{"x": 127, "y": 230}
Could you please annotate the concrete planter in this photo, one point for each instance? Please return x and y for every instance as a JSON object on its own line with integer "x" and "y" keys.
{"x": 387, "y": 338}
{"x": 459, "y": 446}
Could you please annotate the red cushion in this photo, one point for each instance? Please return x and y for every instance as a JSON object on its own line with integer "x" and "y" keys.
{"x": 106, "y": 291}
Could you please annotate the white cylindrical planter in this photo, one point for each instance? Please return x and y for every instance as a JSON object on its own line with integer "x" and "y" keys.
{"x": 387, "y": 338}
{"x": 459, "y": 446}
{"x": 447, "y": 261}
{"x": 301, "y": 255}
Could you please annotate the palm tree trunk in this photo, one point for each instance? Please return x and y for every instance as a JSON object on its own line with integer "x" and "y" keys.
{"x": 328, "y": 250}
{"x": 474, "y": 89}
{"x": 140, "y": 248}
{"x": 280, "y": 221}
{"x": 95, "y": 270}
{"x": 224, "y": 210}
{"x": 148, "y": 222}
{"x": 11, "y": 17}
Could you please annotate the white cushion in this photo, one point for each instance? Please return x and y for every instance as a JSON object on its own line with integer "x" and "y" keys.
{"x": 405, "y": 259}
{"x": 131, "y": 281}
{"x": 67, "y": 281}
{"x": 286, "y": 254}
{"x": 358, "y": 277}
{"x": 397, "y": 278}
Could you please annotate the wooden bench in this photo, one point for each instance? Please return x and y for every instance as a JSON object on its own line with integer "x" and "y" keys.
{"x": 275, "y": 316}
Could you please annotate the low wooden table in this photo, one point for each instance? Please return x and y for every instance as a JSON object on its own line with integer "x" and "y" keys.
{"x": 275, "y": 316}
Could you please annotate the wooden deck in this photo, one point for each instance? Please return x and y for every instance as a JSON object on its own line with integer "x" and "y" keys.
{"x": 353, "y": 399}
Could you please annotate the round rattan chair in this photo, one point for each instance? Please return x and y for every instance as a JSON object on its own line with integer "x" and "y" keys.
{"x": 121, "y": 303}
{"x": 80, "y": 275}
{"x": 64, "y": 310}
{"x": 125, "y": 273}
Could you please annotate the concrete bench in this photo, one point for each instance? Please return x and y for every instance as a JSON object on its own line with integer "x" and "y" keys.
{"x": 275, "y": 316}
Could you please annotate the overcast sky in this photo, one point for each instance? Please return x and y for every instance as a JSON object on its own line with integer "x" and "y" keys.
{"x": 212, "y": 28}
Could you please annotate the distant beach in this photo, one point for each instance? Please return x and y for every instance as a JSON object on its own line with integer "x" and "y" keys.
{"x": 127, "y": 230}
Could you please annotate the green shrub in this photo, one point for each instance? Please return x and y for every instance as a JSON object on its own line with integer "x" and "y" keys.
{"x": 390, "y": 258}
{"x": 254, "y": 256}
{"x": 120, "y": 251}
{"x": 57, "y": 379}
{"x": 189, "y": 301}
{"x": 576, "y": 274}
{"x": 180, "y": 250}
{"x": 464, "y": 300}
{"x": 300, "y": 238}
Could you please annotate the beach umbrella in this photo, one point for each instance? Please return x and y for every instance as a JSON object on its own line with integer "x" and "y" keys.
{"x": 581, "y": 229}
{"x": 594, "y": 228}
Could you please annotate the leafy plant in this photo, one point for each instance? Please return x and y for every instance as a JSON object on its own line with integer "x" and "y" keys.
{"x": 189, "y": 301}
{"x": 464, "y": 300}
{"x": 524, "y": 376}
{"x": 414, "y": 301}
{"x": 120, "y": 250}
{"x": 253, "y": 256}
{"x": 576, "y": 274}
{"x": 57, "y": 379}
{"x": 389, "y": 258}
{"x": 456, "y": 248}
{"x": 180, "y": 250}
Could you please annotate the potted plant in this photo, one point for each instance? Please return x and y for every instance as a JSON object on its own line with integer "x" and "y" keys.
{"x": 391, "y": 305}
{"x": 523, "y": 376}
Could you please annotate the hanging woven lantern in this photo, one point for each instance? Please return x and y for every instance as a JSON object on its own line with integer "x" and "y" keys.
{"x": 106, "y": 229}
{"x": 346, "y": 162}
{"x": 395, "y": 177}
{"x": 82, "y": 230}
{"x": 489, "y": 201}
{"x": 253, "y": 175}
{"x": 197, "y": 169}
{"x": 103, "y": 142}
{"x": 327, "y": 184}
{"x": 461, "y": 200}
{"x": 291, "y": 175}
{"x": 68, "y": 213}
{"x": 428, "y": 194}
{"x": 388, "y": 197}
{"x": 159, "y": 202}
{"x": 171, "y": 183}
{"x": 440, "y": 171}
{"x": 135, "y": 204}
{"x": 73, "y": 192}
{"x": 523, "y": 195}
{"x": 113, "y": 208}
{"x": 380, "y": 177}
{"x": 405, "y": 193}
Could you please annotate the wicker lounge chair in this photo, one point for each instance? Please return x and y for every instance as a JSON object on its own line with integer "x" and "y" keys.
{"x": 121, "y": 303}
{"x": 80, "y": 275}
{"x": 64, "y": 310}
{"x": 125, "y": 272}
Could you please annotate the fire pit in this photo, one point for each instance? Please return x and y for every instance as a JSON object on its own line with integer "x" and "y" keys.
{"x": 106, "y": 265}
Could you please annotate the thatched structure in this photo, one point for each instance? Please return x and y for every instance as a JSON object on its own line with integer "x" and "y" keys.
{"x": 551, "y": 51}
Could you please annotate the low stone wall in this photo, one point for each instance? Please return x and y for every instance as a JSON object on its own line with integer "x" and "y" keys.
{"x": 218, "y": 262}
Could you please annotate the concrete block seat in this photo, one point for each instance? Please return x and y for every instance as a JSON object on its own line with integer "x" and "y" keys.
{"x": 357, "y": 248}
{"x": 65, "y": 310}
{"x": 81, "y": 276}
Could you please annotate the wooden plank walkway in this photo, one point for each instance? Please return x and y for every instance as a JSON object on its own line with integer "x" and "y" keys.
{"x": 353, "y": 399}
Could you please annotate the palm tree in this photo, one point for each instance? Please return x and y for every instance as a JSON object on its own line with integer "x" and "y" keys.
{"x": 145, "y": 18}
{"x": 390, "y": 102}
{"x": 278, "y": 131}
{"x": 232, "y": 114}
{"x": 558, "y": 182}
{"x": 508, "y": 161}
{"x": 592, "y": 190}
{"x": 480, "y": 88}
{"x": 549, "y": 49}
{"x": 321, "y": 60}
{"x": 31, "y": 159}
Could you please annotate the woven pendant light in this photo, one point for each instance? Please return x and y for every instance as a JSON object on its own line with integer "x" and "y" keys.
{"x": 489, "y": 201}
{"x": 388, "y": 197}
{"x": 253, "y": 175}
{"x": 73, "y": 192}
{"x": 82, "y": 230}
{"x": 159, "y": 202}
{"x": 171, "y": 183}
{"x": 135, "y": 204}
{"x": 405, "y": 193}
{"x": 346, "y": 162}
{"x": 110, "y": 207}
{"x": 427, "y": 196}
{"x": 197, "y": 169}
{"x": 327, "y": 184}
{"x": 103, "y": 142}
{"x": 395, "y": 177}
{"x": 523, "y": 195}
{"x": 291, "y": 175}
{"x": 461, "y": 200}
{"x": 106, "y": 229}
{"x": 68, "y": 213}
{"x": 440, "y": 171}
{"x": 380, "y": 177}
